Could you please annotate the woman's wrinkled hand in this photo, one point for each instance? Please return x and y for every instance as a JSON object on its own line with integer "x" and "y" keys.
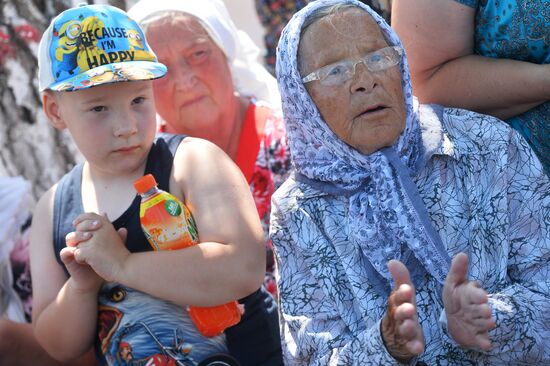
{"x": 401, "y": 331}
{"x": 469, "y": 316}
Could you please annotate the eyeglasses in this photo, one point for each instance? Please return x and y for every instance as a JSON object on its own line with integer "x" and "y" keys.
{"x": 340, "y": 72}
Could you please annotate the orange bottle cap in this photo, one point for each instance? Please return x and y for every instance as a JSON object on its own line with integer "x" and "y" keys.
{"x": 145, "y": 183}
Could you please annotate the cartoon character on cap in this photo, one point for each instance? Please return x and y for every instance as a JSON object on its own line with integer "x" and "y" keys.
{"x": 135, "y": 40}
{"x": 98, "y": 77}
{"x": 67, "y": 51}
{"x": 88, "y": 48}
{"x": 134, "y": 73}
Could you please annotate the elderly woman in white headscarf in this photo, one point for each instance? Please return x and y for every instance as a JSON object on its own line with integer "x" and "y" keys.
{"x": 217, "y": 89}
{"x": 449, "y": 208}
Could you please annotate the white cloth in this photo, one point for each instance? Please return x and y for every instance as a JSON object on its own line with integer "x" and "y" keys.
{"x": 15, "y": 201}
{"x": 250, "y": 77}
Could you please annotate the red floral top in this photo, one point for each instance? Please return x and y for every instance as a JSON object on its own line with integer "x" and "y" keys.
{"x": 264, "y": 158}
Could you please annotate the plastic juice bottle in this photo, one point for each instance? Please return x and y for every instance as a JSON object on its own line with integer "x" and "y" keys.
{"x": 168, "y": 225}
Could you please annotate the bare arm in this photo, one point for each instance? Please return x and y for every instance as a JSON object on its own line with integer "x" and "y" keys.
{"x": 64, "y": 315}
{"x": 229, "y": 262}
{"x": 18, "y": 347}
{"x": 438, "y": 36}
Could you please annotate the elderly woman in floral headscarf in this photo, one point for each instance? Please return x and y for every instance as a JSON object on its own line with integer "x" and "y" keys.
{"x": 449, "y": 208}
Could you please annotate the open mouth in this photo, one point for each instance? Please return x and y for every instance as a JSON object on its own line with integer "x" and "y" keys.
{"x": 109, "y": 319}
{"x": 372, "y": 110}
{"x": 375, "y": 109}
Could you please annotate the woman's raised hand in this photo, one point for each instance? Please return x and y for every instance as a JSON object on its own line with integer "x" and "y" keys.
{"x": 401, "y": 330}
{"x": 469, "y": 316}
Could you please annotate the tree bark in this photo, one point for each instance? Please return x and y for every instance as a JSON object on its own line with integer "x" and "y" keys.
{"x": 29, "y": 145}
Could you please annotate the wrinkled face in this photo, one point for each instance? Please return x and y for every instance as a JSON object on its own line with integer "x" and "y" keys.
{"x": 198, "y": 86}
{"x": 113, "y": 125}
{"x": 368, "y": 111}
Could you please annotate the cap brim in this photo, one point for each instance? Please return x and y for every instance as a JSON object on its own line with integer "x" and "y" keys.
{"x": 112, "y": 73}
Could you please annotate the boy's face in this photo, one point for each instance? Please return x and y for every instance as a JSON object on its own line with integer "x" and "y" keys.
{"x": 113, "y": 125}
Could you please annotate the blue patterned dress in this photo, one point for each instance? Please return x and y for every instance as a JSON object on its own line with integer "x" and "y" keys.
{"x": 519, "y": 30}
{"x": 454, "y": 181}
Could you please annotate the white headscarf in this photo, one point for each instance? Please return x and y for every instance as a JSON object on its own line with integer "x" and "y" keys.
{"x": 250, "y": 77}
{"x": 386, "y": 215}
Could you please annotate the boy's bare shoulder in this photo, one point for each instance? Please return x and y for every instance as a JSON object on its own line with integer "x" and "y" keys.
{"x": 194, "y": 146}
{"x": 199, "y": 164}
{"x": 197, "y": 153}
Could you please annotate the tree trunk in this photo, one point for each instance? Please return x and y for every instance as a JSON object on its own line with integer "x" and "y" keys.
{"x": 29, "y": 145}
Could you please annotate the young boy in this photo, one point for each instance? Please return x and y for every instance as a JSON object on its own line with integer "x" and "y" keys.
{"x": 96, "y": 72}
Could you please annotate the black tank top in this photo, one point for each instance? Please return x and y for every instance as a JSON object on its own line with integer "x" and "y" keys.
{"x": 255, "y": 340}
{"x": 68, "y": 199}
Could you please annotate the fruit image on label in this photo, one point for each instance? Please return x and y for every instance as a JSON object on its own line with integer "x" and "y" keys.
{"x": 168, "y": 223}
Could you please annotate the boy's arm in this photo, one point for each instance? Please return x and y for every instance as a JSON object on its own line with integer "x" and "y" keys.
{"x": 64, "y": 315}
{"x": 228, "y": 264}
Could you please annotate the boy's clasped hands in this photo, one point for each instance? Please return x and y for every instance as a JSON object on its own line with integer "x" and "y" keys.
{"x": 95, "y": 251}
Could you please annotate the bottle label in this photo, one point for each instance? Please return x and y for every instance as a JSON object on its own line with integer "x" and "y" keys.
{"x": 153, "y": 201}
{"x": 172, "y": 207}
{"x": 167, "y": 223}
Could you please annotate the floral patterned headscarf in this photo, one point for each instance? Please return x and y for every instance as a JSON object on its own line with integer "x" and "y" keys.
{"x": 387, "y": 217}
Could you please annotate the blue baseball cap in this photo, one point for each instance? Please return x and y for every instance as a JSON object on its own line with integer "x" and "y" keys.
{"x": 92, "y": 45}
